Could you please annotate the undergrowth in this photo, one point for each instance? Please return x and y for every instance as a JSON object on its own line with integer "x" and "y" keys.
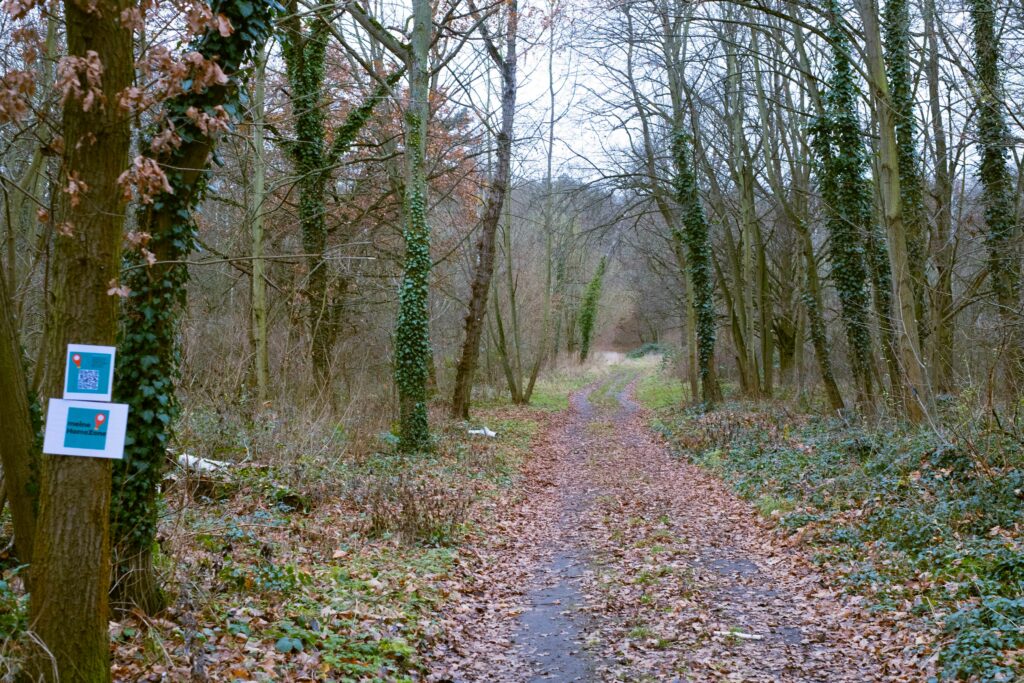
{"x": 315, "y": 554}
{"x": 925, "y": 523}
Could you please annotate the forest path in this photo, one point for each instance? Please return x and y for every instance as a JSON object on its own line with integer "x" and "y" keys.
{"x": 637, "y": 566}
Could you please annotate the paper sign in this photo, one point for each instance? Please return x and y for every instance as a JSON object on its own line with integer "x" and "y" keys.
{"x": 89, "y": 372}
{"x": 85, "y": 428}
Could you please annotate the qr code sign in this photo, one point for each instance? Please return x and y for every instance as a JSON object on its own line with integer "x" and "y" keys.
{"x": 88, "y": 380}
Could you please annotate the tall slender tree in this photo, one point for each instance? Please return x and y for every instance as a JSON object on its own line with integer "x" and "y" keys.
{"x": 497, "y": 190}
{"x": 1001, "y": 221}
{"x": 836, "y": 139}
{"x": 304, "y": 45}
{"x": 901, "y": 338}
{"x": 898, "y": 42}
{"x": 70, "y": 573}
{"x": 412, "y": 333}
{"x": 941, "y": 242}
{"x": 157, "y": 276}
{"x": 588, "y": 308}
{"x": 694, "y": 234}
{"x": 256, "y": 195}
{"x": 305, "y": 52}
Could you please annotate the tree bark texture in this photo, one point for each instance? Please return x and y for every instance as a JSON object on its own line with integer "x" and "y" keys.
{"x": 68, "y": 608}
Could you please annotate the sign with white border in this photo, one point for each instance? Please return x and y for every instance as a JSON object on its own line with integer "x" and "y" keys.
{"x": 85, "y": 428}
{"x": 89, "y": 372}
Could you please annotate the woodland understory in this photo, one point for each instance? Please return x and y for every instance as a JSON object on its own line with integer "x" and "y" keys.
{"x": 467, "y": 341}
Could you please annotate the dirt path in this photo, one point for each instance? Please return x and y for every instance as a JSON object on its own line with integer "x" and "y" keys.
{"x": 622, "y": 562}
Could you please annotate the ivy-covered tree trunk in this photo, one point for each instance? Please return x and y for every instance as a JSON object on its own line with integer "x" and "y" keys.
{"x": 483, "y": 268}
{"x": 906, "y": 295}
{"x": 412, "y": 334}
{"x": 148, "y": 353}
{"x": 304, "y": 51}
{"x": 943, "y": 248}
{"x": 588, "y": 308}
{"x": 304, "y": 48}
{"x": 68, "y": 606}
{"x": 997, "y": 185}
{"x": 909, "y": 377}
{"x": 694, "y": 235}
{"x": 798, "y": 210}
{"x": 897, "y": 56}
{"x": 836, "y": 139}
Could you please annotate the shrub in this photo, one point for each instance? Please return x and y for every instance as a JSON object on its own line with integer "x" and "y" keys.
{"x": 417, "y": 506}
{"x": 648, "y": 349}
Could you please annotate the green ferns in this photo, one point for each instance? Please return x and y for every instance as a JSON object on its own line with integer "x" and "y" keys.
{"x": 148, "y": 355}
{"x": 836, "y": 139}
{"x": 588, "y": 309}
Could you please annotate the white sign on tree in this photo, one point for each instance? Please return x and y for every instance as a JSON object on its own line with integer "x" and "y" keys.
{"x": 84, "y": 422}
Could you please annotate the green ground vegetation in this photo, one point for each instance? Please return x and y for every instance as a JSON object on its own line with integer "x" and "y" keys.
{"x": 925, "y": 522}
{"x": 334, "y": 561}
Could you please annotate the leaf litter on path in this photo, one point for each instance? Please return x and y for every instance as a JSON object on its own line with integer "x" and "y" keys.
{"x": 672, "y": 578}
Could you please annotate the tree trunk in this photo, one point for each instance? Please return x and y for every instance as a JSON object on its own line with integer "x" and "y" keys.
{"x": 549, "y": 223}
{"x": 838, "y": 144}
{"x": 18, "y": 450}
{"x": 997, "y": 188}
{"x": 796, "y": 209}
{"x": 304, "y": 51}
{"x": 483, "y": 268}
{"x": 588, "y": 309}
{"x": 511, "y": 376}
{"x": 816, "y": 321}
{"x": 765, "y": 321}
{"x": 542, "y": 348}
{"x": 942, "y": 326}
{"x": 746, "y": 279}
{"x": 149, "y": 351}
{"x": 919, "y": 400}
{"x": 68, "y": 608}
{"x": 19, "y": 453}
{"x": 695, "y": 237}
{"x": 412, "y": 333}
{"x": 897, "y": 56}
{"x": 257, "y": 196}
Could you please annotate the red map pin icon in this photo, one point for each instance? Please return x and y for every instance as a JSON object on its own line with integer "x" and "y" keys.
{"x": 100, "y": 419}
{"x": 77, "y": 360}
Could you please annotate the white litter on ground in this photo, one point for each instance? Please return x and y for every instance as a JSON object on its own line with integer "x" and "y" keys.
{"x": 197, "y": 464}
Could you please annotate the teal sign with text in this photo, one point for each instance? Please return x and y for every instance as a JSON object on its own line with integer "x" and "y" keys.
{"x": 87, "y": 429}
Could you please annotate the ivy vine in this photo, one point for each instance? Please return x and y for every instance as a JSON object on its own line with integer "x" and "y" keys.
{"x": 694, "y": 235}
{"x": 836, "y": 140}
{"x": 994, "y": 138}
{"x": 588, "y": 308}
{"x": 412, "y": 332}
{"x": 896, "y": 23}
{"x": 148, "y": 354}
